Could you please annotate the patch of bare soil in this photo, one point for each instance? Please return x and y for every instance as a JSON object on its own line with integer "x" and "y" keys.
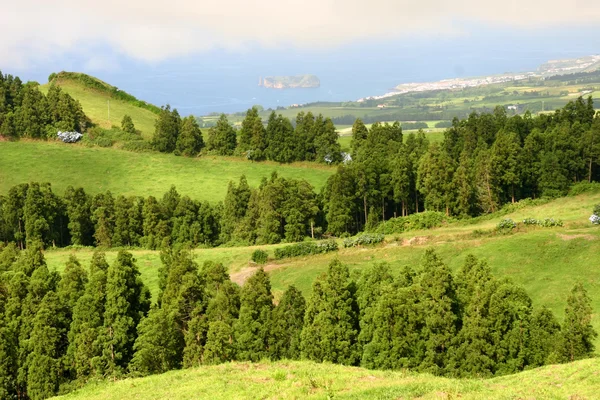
{"x": 415, "y": 241}
{"x": 571, "y": 237}
{"x": 243, "y": 275}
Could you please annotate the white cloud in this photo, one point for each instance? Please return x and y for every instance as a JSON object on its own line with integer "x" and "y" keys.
{"x": 152, "y": 30}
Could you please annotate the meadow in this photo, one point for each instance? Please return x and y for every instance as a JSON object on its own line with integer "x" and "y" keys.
{"x": 142, "y": 174}
{"x": 547, "y": 262}
{"x": 97, "y": 105}
{"x": 302, "y": 379}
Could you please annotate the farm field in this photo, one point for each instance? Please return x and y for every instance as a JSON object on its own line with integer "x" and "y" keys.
{"x": 302, "y": 379}
{"x": 99, "y": 169}
{"x": 546, "y": 261}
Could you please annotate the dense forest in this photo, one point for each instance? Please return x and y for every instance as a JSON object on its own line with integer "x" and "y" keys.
{"x": 484, "y": 162}
{"x": 60, "y": 331}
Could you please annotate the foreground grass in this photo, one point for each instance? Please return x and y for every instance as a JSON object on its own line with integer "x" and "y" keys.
{"x": 301, "y": 379}
{"x": 547, "y": 262}
{"x": 141, "y": 174}
{"x": 96, "y": 105}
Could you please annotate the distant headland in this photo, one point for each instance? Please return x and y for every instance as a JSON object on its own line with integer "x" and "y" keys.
{"x": 289, "y": 82}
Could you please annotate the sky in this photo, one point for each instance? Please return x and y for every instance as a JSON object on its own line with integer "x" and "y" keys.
{"x": 371, "y": 44}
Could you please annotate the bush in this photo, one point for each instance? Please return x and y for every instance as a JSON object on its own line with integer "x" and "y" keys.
{"x": 363, "y": 240}
{"x": 506, "y": 224}
{"x": 424, "y": 220}
{"x": 545, "y": 223}
{"x": 138, "y": 146}
{"x": 260, "y": 256}
{"x": 595, "y": 218}
{"x": 584, "y": 187}
{"x": 306, "y": 249}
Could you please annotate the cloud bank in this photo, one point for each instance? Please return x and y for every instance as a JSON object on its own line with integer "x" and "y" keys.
{"x": 153, "y": 31}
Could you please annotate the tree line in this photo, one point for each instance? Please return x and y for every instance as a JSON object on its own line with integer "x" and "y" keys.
{"x": 311, "y": 139}
{"x": 26, "y": 112}
{"x": 278, "y": 210}
{"x": 483, "y": 162}
{"x": 60, "y": 331}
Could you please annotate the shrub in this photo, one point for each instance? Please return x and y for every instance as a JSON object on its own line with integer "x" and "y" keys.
{"x": 584, "y": 187}
{"x": 305, "y": 249}
{"x": 260, "y": 256}
{"x": 545, "y": 223}
{"x": 424, "y": 220}
{"x": 506, "y": 224}
{"x": 138, "y": 146}
{"x": 364, "y": 239}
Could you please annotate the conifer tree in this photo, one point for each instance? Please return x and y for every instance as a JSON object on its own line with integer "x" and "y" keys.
{"x": 219, "y": 343}
{"x": 340, "y": 207}
{"x": 190, "y": 141}
{"x": 434, "y": 180}
{"x": 222, "y": 138}
{"x": 103, "y": 214}
{"x": 78, "y": 211}
{"x": 577, "y": 331}
{"x": 327, "y": 147}
{"x": 166, "y": 130}
{"x": 47, "y": 336}
{"x": 359, "y": 135}
{"x": 235, "y": 206}
{"x": 505, "y": 160}
{"x": 127, "y": 125}
{"x": 158, "y": 345}
{"x": 397, "y": 340}
{"x": 439, "y": 303}
{"x": 472, "y": 352}
{"x": 85, "y": 348}
{"x": 252, "y": 135}
{"x": 253, "y": 326}
{"x": 288, "y": 319}
{"x": 370, "y": 288}
{"x": 510, "y": 314}
{"x": 544, "y": 338}
{"x": 72, "y": 285}
{"x": 127, "y": 301}
{"x": 330, "y": 330}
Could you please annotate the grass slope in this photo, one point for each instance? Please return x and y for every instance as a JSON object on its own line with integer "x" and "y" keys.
{"x": 546, "y": 261}
{"x": 122, "y": 172}
{"x": 300, "y": 380}
{"x": 95, "y": 104}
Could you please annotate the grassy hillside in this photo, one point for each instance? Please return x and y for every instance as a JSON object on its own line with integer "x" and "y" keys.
{"x": 300, "y": 380}
{"x": 95, "y": 96}
{"x": 546, "y": 261}
{"x": 122, "y": 172}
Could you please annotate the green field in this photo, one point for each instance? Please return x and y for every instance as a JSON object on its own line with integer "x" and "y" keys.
{"x": 122, "y": 172}
{"x": 546, "y": 261}
{"x": 96, "y": 106}
{"x": 300, "y": 380}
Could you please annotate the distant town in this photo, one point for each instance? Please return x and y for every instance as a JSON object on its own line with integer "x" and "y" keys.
{"x": 552, "y": 67}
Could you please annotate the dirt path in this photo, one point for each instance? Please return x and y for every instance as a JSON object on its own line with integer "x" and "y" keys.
{"x": 240, "y": 277}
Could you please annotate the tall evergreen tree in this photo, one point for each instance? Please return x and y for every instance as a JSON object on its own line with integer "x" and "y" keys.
{"x": 439, "y": 303}
{"x": 166, "y": 130}
{"x": 190, "y": 141}
{"x": 158, "y": 345}
{"x": 85, "y": 348}
{"x": 286, "y": 326}
{"x": 331, "y": 327}
{"x": 577, "y": 331}
{"x": 253, "y": 326}
{"x": 47, "y": 339}
{"x": 222, "y": 138}
{"x": 127, "y": 301}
